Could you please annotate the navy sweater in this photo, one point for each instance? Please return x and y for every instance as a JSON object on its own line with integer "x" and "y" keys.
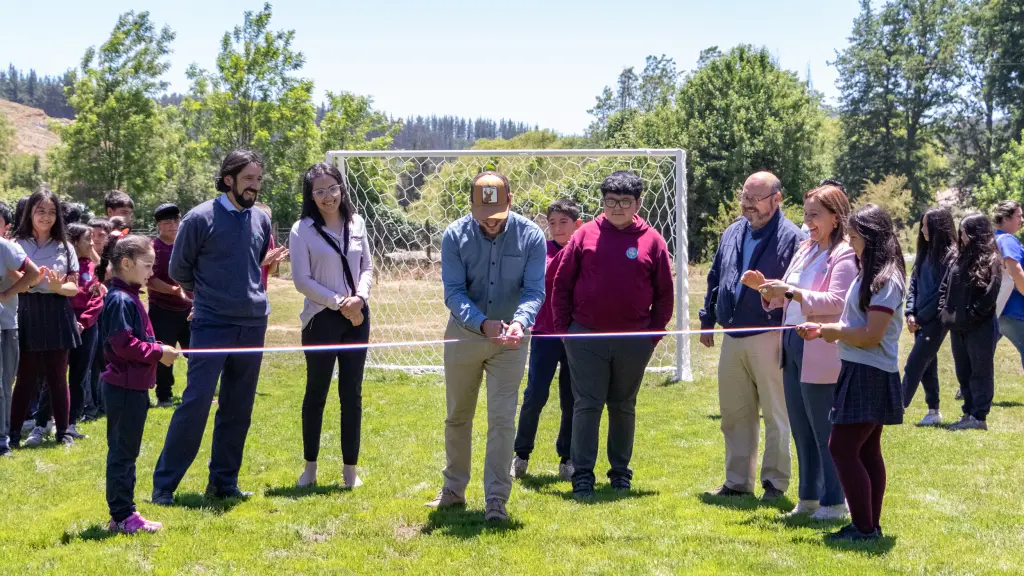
{"x": 217, "y": 256}
{"x": 923, "y": 292}
{"x": 779, "y": 239}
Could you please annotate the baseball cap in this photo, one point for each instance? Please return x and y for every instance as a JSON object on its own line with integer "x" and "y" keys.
{"x": 166, "y": 211}
{"x": 489, "y": 198}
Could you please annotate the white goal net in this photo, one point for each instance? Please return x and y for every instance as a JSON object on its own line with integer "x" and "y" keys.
{"x": 408, "y": 198}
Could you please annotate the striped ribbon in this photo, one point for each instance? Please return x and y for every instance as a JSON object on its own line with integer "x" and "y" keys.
{"x": 373, "y": 345}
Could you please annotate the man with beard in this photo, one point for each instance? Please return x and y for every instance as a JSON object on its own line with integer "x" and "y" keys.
{"x": 217, "y": 255}
{"x": 750, "y": 369}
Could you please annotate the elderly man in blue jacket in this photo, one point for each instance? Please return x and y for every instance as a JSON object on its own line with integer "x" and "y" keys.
{"x": 749, "y": 369}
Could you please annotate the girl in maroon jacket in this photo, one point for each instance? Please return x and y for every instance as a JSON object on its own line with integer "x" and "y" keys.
{"x": 87, "y": 304}
{"x": 132, "y": 353}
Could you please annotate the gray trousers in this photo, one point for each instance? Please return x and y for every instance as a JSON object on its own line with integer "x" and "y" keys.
{"x": 9, "y": 350}
{"x": 605, "y": 371}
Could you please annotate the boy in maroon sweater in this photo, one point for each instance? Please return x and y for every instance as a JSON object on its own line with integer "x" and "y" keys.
{"x": 615, "y": 275}
{"x": 169, "y": 305}
{"x": 546, "y": 354}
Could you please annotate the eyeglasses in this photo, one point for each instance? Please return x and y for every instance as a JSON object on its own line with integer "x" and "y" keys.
{"x": 621, "y": 202}
{"x": 325, "y": 192}
{"x": 748, "y": 201}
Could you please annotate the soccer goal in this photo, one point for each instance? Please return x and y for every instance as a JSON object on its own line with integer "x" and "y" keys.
{"x": 408, "y": 198}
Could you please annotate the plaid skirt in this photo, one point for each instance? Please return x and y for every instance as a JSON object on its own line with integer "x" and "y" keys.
{"x": 866, "y": 394}
{"x": 47, "y": 322}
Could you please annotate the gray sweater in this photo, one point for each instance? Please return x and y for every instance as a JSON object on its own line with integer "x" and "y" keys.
{"x": 217, "y": 255}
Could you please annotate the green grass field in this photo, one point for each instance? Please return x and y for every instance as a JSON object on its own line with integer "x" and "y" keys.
{"x": 953, "y": 505}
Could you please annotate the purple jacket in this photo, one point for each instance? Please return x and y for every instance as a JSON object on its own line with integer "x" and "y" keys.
{"x": 823, "y": 303}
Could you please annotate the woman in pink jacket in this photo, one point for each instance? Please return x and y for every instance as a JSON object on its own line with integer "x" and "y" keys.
{"x": 813, "y": 289}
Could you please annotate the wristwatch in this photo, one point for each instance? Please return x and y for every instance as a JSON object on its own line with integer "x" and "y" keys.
{"x": 789, "y": 294}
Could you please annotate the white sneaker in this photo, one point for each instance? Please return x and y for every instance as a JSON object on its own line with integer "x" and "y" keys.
{"x": 837, "y": 512}
{"x": 74, "y": 433}
{"x": 51, "y": 428}
{"x": 803, "y": 507}
{"x": 566, "y": 470}
{"x": 932, "y": 418}
{"x": 518, "y": 467}
{"x": 35, "y": 438}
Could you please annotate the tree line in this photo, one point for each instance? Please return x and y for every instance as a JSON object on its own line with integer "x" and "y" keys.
{"x": 43, "y": 92}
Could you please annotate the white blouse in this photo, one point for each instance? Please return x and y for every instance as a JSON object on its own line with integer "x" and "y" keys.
{"x": 317, "y": 270}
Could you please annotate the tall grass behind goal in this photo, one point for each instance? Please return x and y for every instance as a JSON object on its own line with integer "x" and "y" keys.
{"x": 409, "y": 197}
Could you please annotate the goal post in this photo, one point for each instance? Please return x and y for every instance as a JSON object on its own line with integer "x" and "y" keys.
{"x": 409, "y": 197}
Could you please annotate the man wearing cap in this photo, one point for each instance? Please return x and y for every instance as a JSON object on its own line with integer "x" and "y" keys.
{"x": 169, "y": 304}
{"x": 492, "y": 267}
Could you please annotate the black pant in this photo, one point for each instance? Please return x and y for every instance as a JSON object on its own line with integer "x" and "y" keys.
{"x": 330, "y": 327}
{"x": 923, "y": 365}
{"x": 171, "y": 328}
{"x": 973, "y": 358}
{"x": 79, "y": 366}
{"x": 545, "y": 356}
{"x": 94, "y": 407}
{"x": 126, "y": 419}
{"x": 605, "y": 371}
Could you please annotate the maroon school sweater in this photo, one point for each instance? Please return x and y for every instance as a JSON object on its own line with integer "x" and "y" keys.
{"x": 612, "y": 280}
{"x": 544, "y": 323}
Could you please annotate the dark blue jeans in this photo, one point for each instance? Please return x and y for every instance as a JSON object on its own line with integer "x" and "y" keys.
{"x": 545, "y": 356}
{"x": 923, "y": 366}
{"x": 126, "y": 419}
{"x": 238, "y": 374}
{"x": 1013, "y": 329}
{"x": 973, "y": 358}
{"x": 809, "y": 406}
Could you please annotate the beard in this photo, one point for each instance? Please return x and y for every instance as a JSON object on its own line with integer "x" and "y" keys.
{"x": 241, "y": 199}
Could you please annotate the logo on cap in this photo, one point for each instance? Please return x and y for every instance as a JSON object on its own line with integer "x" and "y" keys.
{"x": 489, "y": 198}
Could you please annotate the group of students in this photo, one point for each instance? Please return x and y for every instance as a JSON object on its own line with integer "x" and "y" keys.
{"x": 843, "y": 296}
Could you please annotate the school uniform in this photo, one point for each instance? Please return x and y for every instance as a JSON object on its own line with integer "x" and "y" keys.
{"x": 87, "y": 306}
{"x": 131, "y": 353}
{"x": 12, "y": 257}
{"x": 169, "y": 315}
{"x": 923, "y": 304}
{"x": 869, "y": 396}
{"x": 546, "y": 355}
{"x": 610, "y": 280}
{"x": 48, "y": 332}
{"x": 968, "y": 311}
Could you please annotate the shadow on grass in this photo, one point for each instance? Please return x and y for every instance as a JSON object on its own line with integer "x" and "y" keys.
{"x": 463, "y": 523}
{"x": 296, "y": 492}
{"x": 801, "y": 521}
{"x": 606, "y": 493}
{"x": 540, "y": 482}
{"x": 749, "y": 502}
{"x": 197, "y": 501}
{"x": 664, "y": 382}
{"x": 96, "y": 532}
{"x": 879, "y": 547}
{"x": 1008, "y": 404}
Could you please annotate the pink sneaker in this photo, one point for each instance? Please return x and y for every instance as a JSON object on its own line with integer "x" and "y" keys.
{"x": 133, "y": 524}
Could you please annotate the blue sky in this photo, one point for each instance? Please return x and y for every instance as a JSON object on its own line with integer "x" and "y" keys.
{"x": 535, "y": 61}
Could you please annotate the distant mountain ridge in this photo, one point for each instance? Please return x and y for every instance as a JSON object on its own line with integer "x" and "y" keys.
{"x": 32, "y": 134}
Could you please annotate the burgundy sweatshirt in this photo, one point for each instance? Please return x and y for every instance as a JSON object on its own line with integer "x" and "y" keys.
{"x": 612, "y": 280}
{"x": 87, "y": 306}
{"x": 545, "y": 321}
{"x": 129, "y": 347}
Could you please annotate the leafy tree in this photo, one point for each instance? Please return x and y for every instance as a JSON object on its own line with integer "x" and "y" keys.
{"x": 6, "y": 141}
{"x": 255, "y": 100}
{"x": 899, "y": 72}
{"x": 115, "y": 141}
{"x": 351, "y": 123}
{"x": 892, "y": 194}
{"x": 1006, "y": 28}
{"x": 1004, "y": 184}
{"x": 737, "y": 114}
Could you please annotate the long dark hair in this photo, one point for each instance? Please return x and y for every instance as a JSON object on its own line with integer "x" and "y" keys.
{"x": 882, "y": 258}
{"x": 979, "y": 258}
{"x": 309, "y": 207}
{"x": 941, "y": 244}
{"x": 25, "y": 225}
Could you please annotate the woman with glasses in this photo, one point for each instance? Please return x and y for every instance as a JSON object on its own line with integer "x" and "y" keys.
{"x": 813, "y": 289}
{"x": 332, "y": 268}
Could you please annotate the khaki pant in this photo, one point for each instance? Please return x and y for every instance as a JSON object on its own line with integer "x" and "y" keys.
{"x": 465, "y": 364}
{"x": 750, "y": 377}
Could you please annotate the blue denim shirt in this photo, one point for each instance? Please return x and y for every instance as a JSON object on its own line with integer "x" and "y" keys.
{"x": 499, "y": 279}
